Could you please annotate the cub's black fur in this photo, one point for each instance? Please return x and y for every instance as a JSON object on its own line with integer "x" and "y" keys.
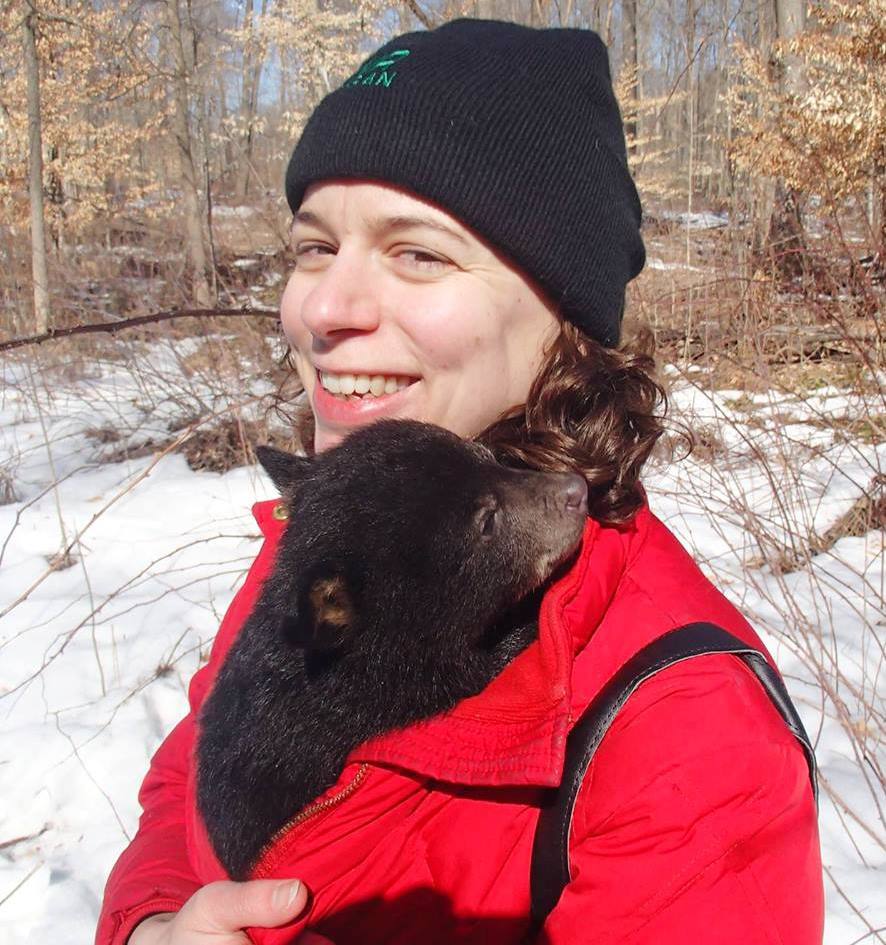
{"x": 391, "y": 600}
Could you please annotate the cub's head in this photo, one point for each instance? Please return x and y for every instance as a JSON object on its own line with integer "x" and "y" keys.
{"x": 407, "y": 536}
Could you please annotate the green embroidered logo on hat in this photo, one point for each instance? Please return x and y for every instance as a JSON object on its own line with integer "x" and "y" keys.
{"x": 377, "y": 71}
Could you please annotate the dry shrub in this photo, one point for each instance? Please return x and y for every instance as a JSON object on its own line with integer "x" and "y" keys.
{"x": 118, "y": 443}
{"x": 800, "y": 586}
{"x": 104, "y": 434}
{"x": 707, "y": 444}
{"x": 803, "y": 363}
{"x": 136, "y": 450}
{"x": 827, "y": 133}
{"x": 61, "y": 561}
{"x": 229, "y": 444}
{"x": 7, "y": 487}
{"x": 866, "y": 514}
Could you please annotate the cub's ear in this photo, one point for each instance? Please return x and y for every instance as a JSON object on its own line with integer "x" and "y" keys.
{"x": 327, "y": 615}
{"x": 285, "y": 469}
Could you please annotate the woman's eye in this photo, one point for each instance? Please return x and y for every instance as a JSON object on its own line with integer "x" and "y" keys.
{"x": 421, "y": 259}
{"x": 307, "y": 251}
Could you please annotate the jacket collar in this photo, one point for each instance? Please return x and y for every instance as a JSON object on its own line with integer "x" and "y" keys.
{"x": 514, "y": 731}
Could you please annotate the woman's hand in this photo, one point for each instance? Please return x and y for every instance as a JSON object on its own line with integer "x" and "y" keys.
{"x": 218, "y": 913}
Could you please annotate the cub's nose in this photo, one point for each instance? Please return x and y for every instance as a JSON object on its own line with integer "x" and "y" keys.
{"x": 574, "y": 492}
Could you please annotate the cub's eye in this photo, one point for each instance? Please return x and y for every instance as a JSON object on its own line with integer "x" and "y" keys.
{"x": 487, "y": 521}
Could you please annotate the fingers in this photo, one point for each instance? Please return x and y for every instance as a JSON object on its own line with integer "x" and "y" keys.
{"x": 228, "y": 907}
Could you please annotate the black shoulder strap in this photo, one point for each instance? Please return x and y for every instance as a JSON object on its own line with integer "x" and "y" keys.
{"x": 549, "y": 872}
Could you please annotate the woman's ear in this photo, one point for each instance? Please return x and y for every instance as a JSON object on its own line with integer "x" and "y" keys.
{"x": 285, "y": 469}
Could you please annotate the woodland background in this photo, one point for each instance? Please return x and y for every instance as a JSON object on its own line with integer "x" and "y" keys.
{"x": 143, "y": 252}
{"x": 144, "y": 126}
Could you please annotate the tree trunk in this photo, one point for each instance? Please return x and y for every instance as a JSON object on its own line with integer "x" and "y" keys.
{"x": 486, "y": 9}
{"x": 252, "y": 65}
{"x": 631, "y": 62}
{"x": 786, "y": 241}
{"x": 761, "y": 189}
{"x": 228, "y": 159}
{"x": 875, "y": 209}
{"x": 880, "y": 220}
{"x": 790, "y": 21}
{"x": 35, "y": 172}
{"x": 188, "y": 179}
{"x": 607, "y": 29}
{"x": 689, "y": 108}
{"x": 283, "y": 100}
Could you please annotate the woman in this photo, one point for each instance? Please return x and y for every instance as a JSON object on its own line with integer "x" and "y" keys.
{"x": 464, "y": 228}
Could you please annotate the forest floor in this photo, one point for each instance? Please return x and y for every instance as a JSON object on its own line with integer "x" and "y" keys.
{"x": 125, "y": 530}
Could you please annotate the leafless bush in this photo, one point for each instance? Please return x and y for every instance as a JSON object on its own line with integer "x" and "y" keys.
{"x": 783, "y": 497}
{"x": 7, "y": 487}
{"x": 230, "y": 443}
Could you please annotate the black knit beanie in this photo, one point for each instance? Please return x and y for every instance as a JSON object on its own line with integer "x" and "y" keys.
{"x": 514, "y": 131}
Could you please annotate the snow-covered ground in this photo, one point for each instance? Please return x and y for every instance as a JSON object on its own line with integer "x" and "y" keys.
{"x": 95, "y": 656}
{"x": 697, "y": 221}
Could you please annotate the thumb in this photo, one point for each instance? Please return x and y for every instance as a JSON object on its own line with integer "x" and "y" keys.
{"x": 228, "y": 907}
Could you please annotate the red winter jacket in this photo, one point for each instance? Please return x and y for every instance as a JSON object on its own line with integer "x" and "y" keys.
{"x": 695, "y": 822}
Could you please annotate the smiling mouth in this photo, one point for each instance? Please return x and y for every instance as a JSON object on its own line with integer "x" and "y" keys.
{"x": 362, "y": 386}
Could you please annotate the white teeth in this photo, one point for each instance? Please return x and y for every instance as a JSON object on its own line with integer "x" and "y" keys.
{"x": 363, "y": 384}
{"x": 331, "y": 383}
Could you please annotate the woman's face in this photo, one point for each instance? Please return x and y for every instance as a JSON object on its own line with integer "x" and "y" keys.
{"x": 392, "y": 294}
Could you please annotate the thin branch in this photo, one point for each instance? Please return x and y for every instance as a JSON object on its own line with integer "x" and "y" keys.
{"x": 8, "y": 844}
{"x": 419, "y": 14}
{"x": 21, "y": 883}
{"x": 113, "y": 327}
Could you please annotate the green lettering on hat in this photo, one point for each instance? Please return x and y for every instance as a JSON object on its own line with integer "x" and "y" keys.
{"x": 374, "y": 71}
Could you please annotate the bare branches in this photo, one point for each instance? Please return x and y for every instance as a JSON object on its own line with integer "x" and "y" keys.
{"x": 420, "y": 14}
{"x": 111, "y": 328}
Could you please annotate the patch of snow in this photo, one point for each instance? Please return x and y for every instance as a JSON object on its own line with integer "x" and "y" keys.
{"x": 260, "y": 306}
{"x": 95, "y": 659}
{"x": 242, "y": 213}
{"x": 653, "y": 262}
{"x": 698, "y": 221}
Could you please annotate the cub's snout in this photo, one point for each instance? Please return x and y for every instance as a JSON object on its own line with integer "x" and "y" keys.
{"x": 551, "y": 510}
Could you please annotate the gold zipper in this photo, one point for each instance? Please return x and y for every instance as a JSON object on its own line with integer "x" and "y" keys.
{"x": 312, "y": 810}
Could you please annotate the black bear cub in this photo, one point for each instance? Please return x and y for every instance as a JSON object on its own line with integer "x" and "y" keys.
{"x": 395, "y": 595}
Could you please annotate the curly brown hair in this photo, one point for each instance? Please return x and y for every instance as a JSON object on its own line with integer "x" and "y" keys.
{"x": 592, "y": 410}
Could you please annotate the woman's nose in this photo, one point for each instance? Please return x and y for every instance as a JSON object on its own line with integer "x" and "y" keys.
{"x": 342, "y": 298}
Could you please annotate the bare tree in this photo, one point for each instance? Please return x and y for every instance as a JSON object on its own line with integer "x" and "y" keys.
{"x": 785, "y": 239}
{"x": 181, "y": 52}
{"x": 631, "y": 62}
{"x": 252, "y": 67}
{"x": 35, "y": 170}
